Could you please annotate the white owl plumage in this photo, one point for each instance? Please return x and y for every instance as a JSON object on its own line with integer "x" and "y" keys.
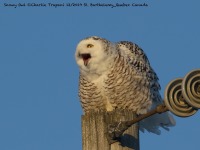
{"x": 119, "y": 76}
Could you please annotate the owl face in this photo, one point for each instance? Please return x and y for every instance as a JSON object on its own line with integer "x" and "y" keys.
{"x": 92, "y": 54}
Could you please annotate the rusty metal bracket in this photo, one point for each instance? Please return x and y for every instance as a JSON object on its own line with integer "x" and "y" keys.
{"x": 116, "y": 129}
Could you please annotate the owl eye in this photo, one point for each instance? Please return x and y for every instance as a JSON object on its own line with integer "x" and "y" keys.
{"x": 90, "y": 45}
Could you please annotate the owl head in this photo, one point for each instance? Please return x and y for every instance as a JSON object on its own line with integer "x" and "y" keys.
{"x": 93, "y": 54}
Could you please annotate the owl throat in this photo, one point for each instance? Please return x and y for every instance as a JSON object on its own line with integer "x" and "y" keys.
{"x": 94, "y": 70}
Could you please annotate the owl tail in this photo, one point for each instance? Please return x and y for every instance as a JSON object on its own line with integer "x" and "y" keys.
{"x": 153, "y": 123}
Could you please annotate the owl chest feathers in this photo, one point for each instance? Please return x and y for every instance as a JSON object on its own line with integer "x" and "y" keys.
{"x": 118, "y": 87}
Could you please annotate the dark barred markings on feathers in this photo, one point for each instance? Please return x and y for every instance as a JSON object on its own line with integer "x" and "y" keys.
{"x": 118, "y": 76}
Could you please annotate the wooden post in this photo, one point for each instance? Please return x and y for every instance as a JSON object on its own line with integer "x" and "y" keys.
{"x": 94, "y": 131}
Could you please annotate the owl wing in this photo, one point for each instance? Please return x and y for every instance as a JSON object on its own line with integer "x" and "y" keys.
{"x": 136, "y": 57}
{"x": 139, "y": 62}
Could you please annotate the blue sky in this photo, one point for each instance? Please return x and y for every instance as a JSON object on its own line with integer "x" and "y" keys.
{"x": 39, "y": 104}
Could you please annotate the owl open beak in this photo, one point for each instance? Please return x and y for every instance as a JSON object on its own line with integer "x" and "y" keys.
{"x": 86, "y": 57}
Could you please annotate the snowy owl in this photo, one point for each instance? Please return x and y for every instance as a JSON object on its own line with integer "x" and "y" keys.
{"x": 119, "y": 76}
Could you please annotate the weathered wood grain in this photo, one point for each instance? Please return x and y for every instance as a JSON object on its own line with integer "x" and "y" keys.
{"x": 94, "y": 131}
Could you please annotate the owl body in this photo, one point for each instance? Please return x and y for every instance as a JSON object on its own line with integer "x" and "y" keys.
{"x": 118, "y": 76}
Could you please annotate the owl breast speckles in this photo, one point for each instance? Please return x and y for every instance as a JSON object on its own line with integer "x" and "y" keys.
{"x": 119, "y": 76}
{"x": 114, "y": 76}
